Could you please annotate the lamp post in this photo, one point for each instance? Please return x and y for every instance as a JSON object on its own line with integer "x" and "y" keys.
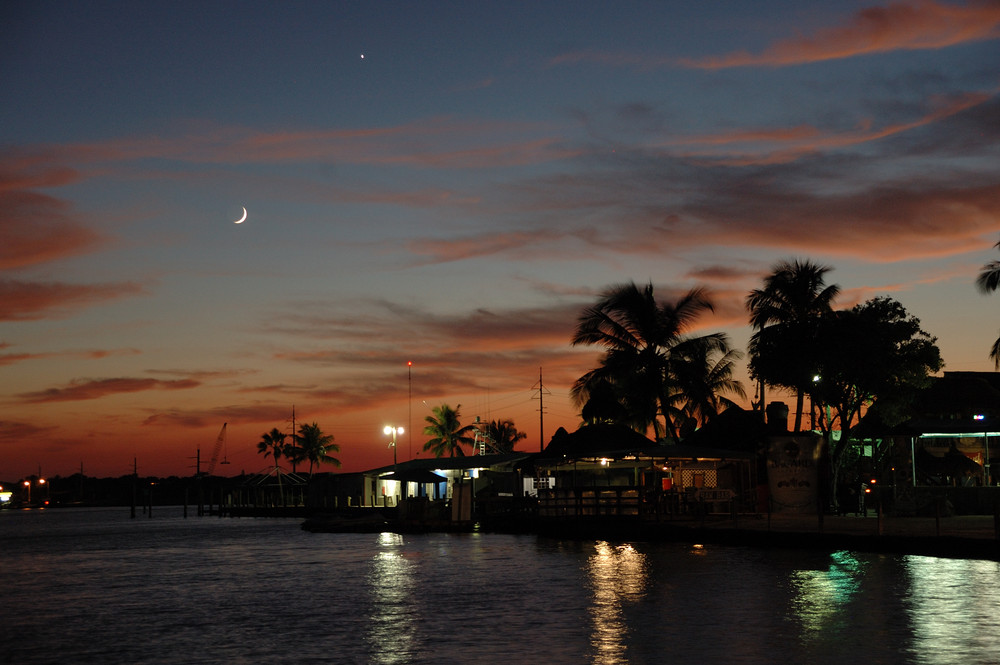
{"x": 986, "y": 447}
{"x": 393, "y": 431}
{"x": 27, "y": 483}
{"x": 812, "y": 403}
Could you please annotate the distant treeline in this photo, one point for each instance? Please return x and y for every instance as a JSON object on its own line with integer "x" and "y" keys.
{"x": 124, "y": 490}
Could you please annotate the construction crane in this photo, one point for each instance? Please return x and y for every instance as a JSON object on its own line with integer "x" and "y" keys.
{"x": 218, "y": 448}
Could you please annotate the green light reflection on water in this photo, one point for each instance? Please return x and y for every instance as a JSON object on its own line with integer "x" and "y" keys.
{"x": 820, "y": 596}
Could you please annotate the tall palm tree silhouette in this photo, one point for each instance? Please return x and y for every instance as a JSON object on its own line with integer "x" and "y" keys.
{"x": 988, "y": 282}
{"x": 785, "y": 314}
{"x": 504, "y": 435}
{"x": 273, "y": 443}
{"x": 446, "y": 432}
{"x": 640, "y": 337}
{"x": 704, "y": 374}
{"x": 314, "y": 445}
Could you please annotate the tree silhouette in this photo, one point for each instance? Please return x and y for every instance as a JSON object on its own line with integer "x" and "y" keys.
{"x": 273, "y": 443}
{"x": 641, "y": 338}
{"x": 874, "y": 355}
{"x": 446, "y": 432}
{"x": 988, "y": 282}
{"x": 504, "y": 435}
{"x": 704, "y": 375}
{"x": 784, "y": 315}
{"x": 315, "y": 446}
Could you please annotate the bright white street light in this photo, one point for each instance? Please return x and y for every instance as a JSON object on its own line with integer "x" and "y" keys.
{"x": 389, "y": 429}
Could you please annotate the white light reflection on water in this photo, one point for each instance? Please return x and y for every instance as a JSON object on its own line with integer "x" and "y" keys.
{"x": 617, "y": 576}
{"x": 953, "y": 606}
{"x": 390, "y": 586}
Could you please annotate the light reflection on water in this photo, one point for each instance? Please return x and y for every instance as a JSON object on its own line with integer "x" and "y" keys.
{"x": 617, "y": 577}
{"x": 393, "y": 610}
{"x": 953, "y": 609}
{"x": 822, "y": 596}
{"x": 92, "y": 586}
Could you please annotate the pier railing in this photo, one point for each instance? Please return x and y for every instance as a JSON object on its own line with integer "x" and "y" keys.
{"x": 638, "y": 502}
{"x": 589, "y": 502}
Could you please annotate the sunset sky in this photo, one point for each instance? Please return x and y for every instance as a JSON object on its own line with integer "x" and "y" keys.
{"x": 450, "y": 184}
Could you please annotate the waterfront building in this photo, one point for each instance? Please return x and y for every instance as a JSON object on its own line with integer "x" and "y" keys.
{"x": 937, "y": 461}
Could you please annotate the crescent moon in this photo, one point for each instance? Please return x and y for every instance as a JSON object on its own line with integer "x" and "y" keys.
{"x": 243, "y": 218}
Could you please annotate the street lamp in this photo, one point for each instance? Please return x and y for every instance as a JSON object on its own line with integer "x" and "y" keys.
{"x": 27, "y": 483}
{"x": 393, "y": 431}
{"x": 986, "y": 448}
{"x": 389, "y": 429}
{"x": 812, "y": 403}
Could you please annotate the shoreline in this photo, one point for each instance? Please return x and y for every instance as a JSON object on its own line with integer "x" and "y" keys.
{"x": 963, "y": 537}
{"x": 956, "y": 537}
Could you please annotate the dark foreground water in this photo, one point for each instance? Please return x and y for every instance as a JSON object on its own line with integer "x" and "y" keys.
{"x": 93, "y": 586}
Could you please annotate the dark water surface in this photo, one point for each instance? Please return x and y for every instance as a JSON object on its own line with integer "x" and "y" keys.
{"x": 94, "y": 586}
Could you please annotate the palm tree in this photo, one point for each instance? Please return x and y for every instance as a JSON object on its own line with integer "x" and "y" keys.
{"x": 603, "y": 404}
{"x": 704, "y": 373}
{"x": 638, "y": 335}
{"x": 988, "y": 282}
{"x": 446, "y": 432}
{"x": 504, "y": 435}
{"x": 273, "y": 443}
{"x": 315, "y": 446}
{"x": 785, "y": 314}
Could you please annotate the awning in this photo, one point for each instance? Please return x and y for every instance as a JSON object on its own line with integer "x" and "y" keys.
{"x": 414, "y": 476}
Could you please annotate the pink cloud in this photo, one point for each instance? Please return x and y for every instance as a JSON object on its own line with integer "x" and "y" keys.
{"x": 434, "y": 142}
{"x": 37, "y": 228}
{"x": 888, "y": 223}
{"x": 782, "y": 145}
{"x": 242, "y": 414}
{"x": 97, "y": 388}
{"x": 16, "y": 433}
{"x": 28, "y": 301}
{"x": 473, "y": 246}
{"x": 95, "y": 354}
{"x": 883, "y": 225}
{"x": 12, "y": 358}
{"x": 901, "y": 26}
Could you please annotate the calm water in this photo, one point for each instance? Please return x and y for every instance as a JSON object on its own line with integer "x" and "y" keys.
{"x": 93, "y": 586}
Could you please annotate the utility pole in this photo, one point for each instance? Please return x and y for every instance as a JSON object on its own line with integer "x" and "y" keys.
{"x": 294, "y": 464}
{"x": 541, "y": 411}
